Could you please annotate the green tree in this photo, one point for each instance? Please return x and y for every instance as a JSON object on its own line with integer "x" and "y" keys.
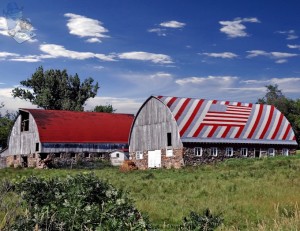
{"x": 56, "y": 90}
{"x": 104, "y": 108}
{"x": 6, "y": 124}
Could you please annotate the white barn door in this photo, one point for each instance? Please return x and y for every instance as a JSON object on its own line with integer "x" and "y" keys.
{"x": 154, "y": 159}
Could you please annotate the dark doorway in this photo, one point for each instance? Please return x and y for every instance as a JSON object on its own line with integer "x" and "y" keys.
{"x": 257, "y": 153}
{"x": 24, "y": 161}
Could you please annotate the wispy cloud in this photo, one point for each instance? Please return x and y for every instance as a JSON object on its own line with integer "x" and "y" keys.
{"x": 223, "y": 55}
{"x": 4, "y": 54}
{"x": 281, "y": 57}
{"x": 158, "y": 31}
{"x": 56, "y": 51}
{"x": 86, "y": 27}
{"x": 290, "y": 34}
{"x": 208, "y": 81}
{"x": 236, "y": 28}
{"x": 146, "y": 56}
{"x": 172, "y": 24}
{"x": 27, "y": 58}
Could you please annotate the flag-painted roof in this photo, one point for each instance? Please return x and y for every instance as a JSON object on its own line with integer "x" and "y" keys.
{"x": 81, "y": 127}
{"x": 202, "y": 120}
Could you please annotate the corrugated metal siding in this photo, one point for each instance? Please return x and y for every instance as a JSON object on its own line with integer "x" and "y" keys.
{"x": 201, "y": 120}
{"x": 151, "y": 126}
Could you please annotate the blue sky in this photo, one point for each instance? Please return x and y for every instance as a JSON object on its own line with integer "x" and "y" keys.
{"x": 226, "y": 50}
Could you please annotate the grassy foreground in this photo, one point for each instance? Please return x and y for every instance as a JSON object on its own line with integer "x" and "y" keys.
{"x": 251, "y": 194}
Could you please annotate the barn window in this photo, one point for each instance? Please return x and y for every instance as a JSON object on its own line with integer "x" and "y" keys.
{"x": 24, "y": 121}
{"x": 285, "y": 152}
{"x": 229, "y": 152}
{"x": 198, "y": 151}
{"x": 169, "y": 139}
{"x": 214, "y": 151}
{"x": 118, "y": 155}
{"x": 271, "y": 152}
{"x": 15, "y": 157}
{"x": 37, "y": 147}
{"x": 139, "y": 155}
{"x": 169, "y": 152}
{"x": 244, "y": 152}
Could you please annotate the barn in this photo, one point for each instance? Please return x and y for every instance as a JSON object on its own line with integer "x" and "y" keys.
{"x": 38, "y": 135}
{"x": 174, "y": 131}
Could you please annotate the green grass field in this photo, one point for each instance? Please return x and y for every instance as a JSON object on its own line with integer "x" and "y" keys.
{"x": 251, "y": 194}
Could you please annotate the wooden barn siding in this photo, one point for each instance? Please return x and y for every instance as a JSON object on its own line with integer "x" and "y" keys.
{"x": 151, "y": 127}
{"x": 23, "y": 142}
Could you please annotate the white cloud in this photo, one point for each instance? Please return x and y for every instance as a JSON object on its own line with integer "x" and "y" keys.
{"x": 86, "y": 27}
{"x": 27, "y": 58}
{"x": 93, "y": 40}
{"x": 3, "y": 26}
{"x": 146, "y": 56}
{"x": 160, "y": 75}
{"x": 4, "y": 54}
{"x": 10, "y": 103}
{"x": 281, "y": 61}
{"x": 158, "y": 31}
{"x": 236, "y": 28}
{"x": 55, "y": 51}
{"x": 208, "y": 81}
{"x": 281, "y": 57}
{"x": 224, "y": 55}
{"x": 172, "y": 24}
{"x": 288, "y": 84}
{"x": 294, "y": 46}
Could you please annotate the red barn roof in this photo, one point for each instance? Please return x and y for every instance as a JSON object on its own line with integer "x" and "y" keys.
{"x": 81, "y": 127}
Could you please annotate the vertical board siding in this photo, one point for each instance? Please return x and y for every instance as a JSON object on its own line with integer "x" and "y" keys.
{"x": 151, "y": 126}
{"x": 23, "y": 142}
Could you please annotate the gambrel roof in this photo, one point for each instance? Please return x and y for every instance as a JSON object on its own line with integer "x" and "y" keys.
{"x": 81, "y": 127}
{"x": 202, "y": 120}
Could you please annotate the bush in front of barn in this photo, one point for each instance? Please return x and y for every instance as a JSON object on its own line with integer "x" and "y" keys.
{"x": 80, "y": 202}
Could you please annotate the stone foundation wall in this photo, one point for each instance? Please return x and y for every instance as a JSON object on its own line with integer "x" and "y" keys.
{"x": 191, "y": 159}
{"x": 174, "y": 161}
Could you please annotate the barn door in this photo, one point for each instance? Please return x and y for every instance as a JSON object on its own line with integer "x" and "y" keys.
{"x": 154, "y": 159}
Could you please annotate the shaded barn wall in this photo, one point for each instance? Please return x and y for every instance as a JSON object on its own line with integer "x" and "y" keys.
{"x": 23, "y": 142}
{"x": 150, "y": 128}
{"x": 118, "y": 157}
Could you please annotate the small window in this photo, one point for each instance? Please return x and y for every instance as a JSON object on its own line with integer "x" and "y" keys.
{"x": 244, "y": 152}
{"x": 169, "y": 152}
{"x": 24, "y": 121}
{"x": 198, "y": 151}
{"x": 37, "y": 147}
{"x": 229, "y": 152}
{"x": 285, "y": 152}
{"x": 139, "y": 155}
{"x": 15, "y": 157}
{"x": 169, "y": 139}
{"x": 33, "y": 155}
{"x": 214, "y": 151}
{"x": 271, "y": 151}
{"x": 118, "y": 155}
{"x": 86, "y": 155}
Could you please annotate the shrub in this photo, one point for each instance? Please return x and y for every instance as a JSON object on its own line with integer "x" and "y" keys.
{"x": 204, "y": 222}
{"x": 80, "y": 202}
